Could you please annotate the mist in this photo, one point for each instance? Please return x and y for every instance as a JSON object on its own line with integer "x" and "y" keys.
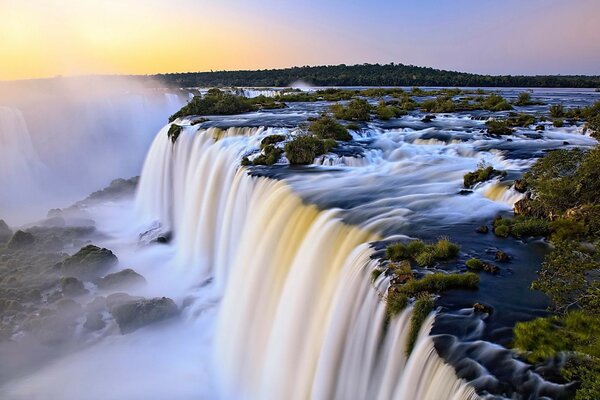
{"x": 62, "y": 138}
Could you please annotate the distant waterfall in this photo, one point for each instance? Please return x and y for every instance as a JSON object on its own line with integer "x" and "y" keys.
{"x": 66, "y": 146}
{"x": 299, "y": 316}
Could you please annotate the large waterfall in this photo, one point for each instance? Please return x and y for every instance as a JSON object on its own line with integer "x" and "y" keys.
{"x": 299, "y": 316}
{"x": 59, "y": 145}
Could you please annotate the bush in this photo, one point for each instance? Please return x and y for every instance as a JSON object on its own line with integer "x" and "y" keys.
{"x": 557, "y": 111}
{"x": 482, "y": 174}
{"x": 498, "y": 127}
{"x": 356, "y": 110}
{"x": 558, "y": 123}
{"x": 270, "y": 156}
{"x": 395, "y": 303}
{"x": 445, "y": 249}
{"x": 271, "y": 139}
{"x": 502, "y": 231}
{"x": 475, "y": 264}
{"x": 385, "y": 112}
{"x": 303, "y": 149}
{"x": 524, "y": 227}
{"x": 440, "y": 282}
{"x": 441, "y": 104}
{"x": 423, "y": 254}
{"x": 426, "y": 257}
{"x": 495, "y": 102}
{"x": 524, "y": 99}
{"x": 326, "y": 127}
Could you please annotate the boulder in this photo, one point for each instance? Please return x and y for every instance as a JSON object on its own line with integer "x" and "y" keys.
{"x": 131, "y": 316}
{"x": 116, "y": 299}
{"x": 520, "y": 186}
{"x": 94, "y": 321}
{"x": 5, "y": 232}
{"x": 71, "y": 286}
{"x": 502, "y": 256}
{"x": 482, "y": 229}
{"x": 482, "y": 308}
{"x": 20, "y": 239}
{"x": 121, "y": 279}
{"x": 89, "y": 262}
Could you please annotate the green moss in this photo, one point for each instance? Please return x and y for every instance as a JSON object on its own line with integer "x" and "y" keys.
{"x": 525, "y": 227}
{"x": 502, "y": 231}
{"x": 423, "y": 254}
{"x": 475, "y": 264}
{"x": 420, "y": 312}
{"x": 396, "y": 302}
{"x": 481, "y": 174}
{"x": 375, "y": 274}
{"x": 558, "y": 123}
{"x": 271, "y": 139}
{"x": 269, "y": 156}
{"x": 440, "y": 282}
{"x": 426, "y": 258}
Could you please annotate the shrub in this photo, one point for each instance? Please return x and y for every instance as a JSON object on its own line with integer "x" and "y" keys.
{"x": 270, "y": 156}
{"x": 557, "y": 111}
{"x": 439, "y": 282}
{"x": 426, "y": 257}
{"x": 524, "y": 227}
{"x": 441, "y": 104}
{"x": 524, "y": 99}
{"x": 520, "y": 119}
{"x": 303, "y": 149}
{"x": 326, "y": 127}
{"x": 271, "y": 139}
{"x": 421, "y": 310}
{"x": 353, "y": 126}
{"x": 445, "y": 249}
{"x": 498, "y": 127}
{"x": 423, "y": 254}
{"x": 375, "y": 274}
{"x": 385, "y": 112}
{"x": 397, "y": 252}
{"x": 395, "y": 303}
{"x": 566, "y": 229}
{"x": 475, "y": 264}
{"x": 495, "y": 102}
{"x": 481, "y": 174}
{"x": 356, "y": 110}
{"x": 558, "y": 123}
{"x": 502, "y": 231}
{"x": 246, "y": 162}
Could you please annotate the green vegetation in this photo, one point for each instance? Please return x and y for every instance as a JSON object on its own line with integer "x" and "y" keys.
{"x": 557, "y": 111}
{"x": 269, "y": 156}
{"x": 271, "y": 139}
{"x": 421, "y": 310}
{"x": 355, "y": 110}
{"x": 441, "y": 104}
{"x": 524, "y": 99}
{"x": 174, "y": 132}
{"x": 387, "y": 111}
{"x": 326, "y": 127}
{"x": 423, "y": 254}
{"x": 498, "y": 127}
{"x": 475, "y": 264}
{"x": 217, "y": 102}
{"x": 481, "y": 174}
{"x": 494, "y": 102}
{"x": 563, "y": 205}
{"x": 439, "y": 282}
{"x": 521, "y": 227}
{"x": 366, "y": 75}
{"x": 303, "y": 149}
{"x": 558, "y": 123}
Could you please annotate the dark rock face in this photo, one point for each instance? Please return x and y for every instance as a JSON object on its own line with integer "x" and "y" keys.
{"x": 89, "y": 262}
{"x": 121, "y": 279}
{"x": 20, "y": 239}
{"x": 5, "y": 232}
{"x": 520, "y": 186}
{"x": 482, "y": 229}
{"x": 71, "y": 286}
{"x": 131, "y": 316}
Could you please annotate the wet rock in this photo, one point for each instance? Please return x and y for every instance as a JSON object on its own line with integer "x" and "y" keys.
{"x": 465, "y": 192}
{"x": 116, "y": 299}
{"x": 10, "y": 306}
{"x": 482, "y": 229}
{"x": 121, "y": 279}
{"x": 566, "y": 143}
{"x": 135, "y": 315}
{"x": 502, "y": 256}
{"x": 94, "y": 321}
{"x": 5, "y": 232}
{"x": 98, "y": 304}
{"x": 482, "y": 308}
{"x": 520, "y": 186}
{"x": 428, "y": 118}
{"x": 540, "y": 128}
{"x": 89, "y": 262}
{"x": 68, "y": 307}
{"x": 155, "y": 234}
{"x": 20, "y": 239}
{"x": 491, "y": 268}
{"x": 71, "y": 286}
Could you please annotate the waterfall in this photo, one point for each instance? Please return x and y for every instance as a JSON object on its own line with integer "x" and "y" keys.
{"x": 299, "y": 316}
{"x": 64, "y": 144}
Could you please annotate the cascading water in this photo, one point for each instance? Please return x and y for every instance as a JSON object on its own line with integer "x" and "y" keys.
{"x": 299, "y": 317}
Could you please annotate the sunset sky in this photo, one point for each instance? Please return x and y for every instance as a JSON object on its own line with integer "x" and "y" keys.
{"x": 42, "y": 38}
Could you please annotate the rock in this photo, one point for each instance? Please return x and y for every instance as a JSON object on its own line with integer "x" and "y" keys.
{"x": 116, "y": 299}
{"x": 520, "y": 186}
{"x": 526, "y": 207}
{"x": 566, "y": 143}
{"x": 5, "y": 232}
{"x": 98, "y": 304}
{"x": 491, "y": 268}
{"x": 482, "y": 308}
{"x": 482, "y": 229}
{"x": 428, "y": 118}
{"x": 10, "y": 306}
{"x": 89, "y": 262}
{"x": 155, "y": 234}
{"x": 71, "y": 286}
{"x": 465, "y": 192}
{"x": 502, "y": 256}
{"x": 94, "y": 321}
{"x": 121, "y": 279}
{"x": 540, "y": 128}
{"x": 68, "y": 307}
{"x": 134, "y": 315}
{"x": 20, "y": 239}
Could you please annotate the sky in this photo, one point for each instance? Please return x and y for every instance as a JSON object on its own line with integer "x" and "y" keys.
{"x": 45, "y": 38}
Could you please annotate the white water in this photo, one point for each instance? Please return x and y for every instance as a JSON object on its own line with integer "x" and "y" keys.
{"x": 299, "y": 317}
